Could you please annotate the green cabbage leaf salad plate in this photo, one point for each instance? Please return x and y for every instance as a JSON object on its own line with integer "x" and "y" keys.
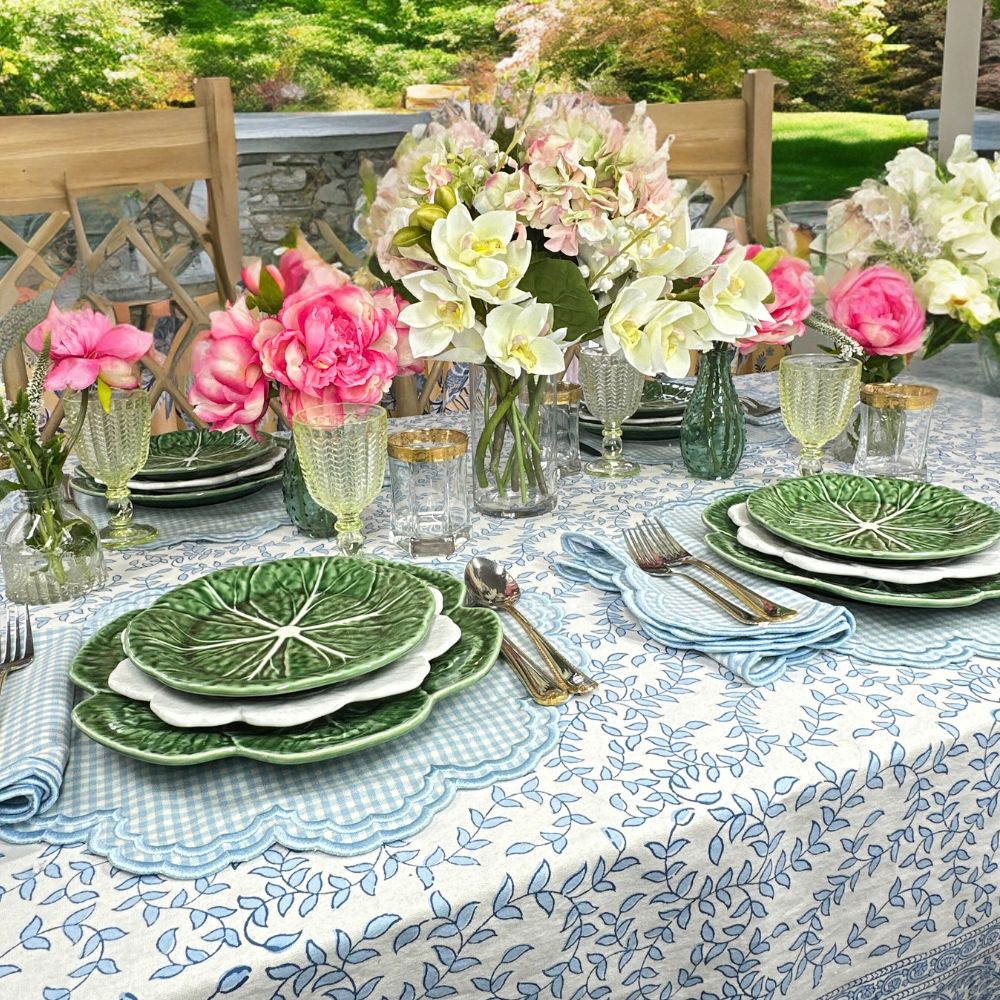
{"x": 723, "y": 541}
{"x": 273, "y": 628}
{"x": 875, "y": 518}
{"x": 130, "y": 727}
{"x": 186, "y": 454}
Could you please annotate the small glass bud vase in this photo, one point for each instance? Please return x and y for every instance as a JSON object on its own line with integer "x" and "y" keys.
{"x": 430, "y": 494}
{"x": 567, "y": 397}
{"x": 51, "y": 551}
{"x": 308, "y": 517}
{"x": 713, "y": 434}
{"x": 894, "y": 430}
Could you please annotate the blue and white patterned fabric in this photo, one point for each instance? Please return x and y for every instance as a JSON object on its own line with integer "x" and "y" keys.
{"x": 674, "y": 614}
{"x": 834, "y": 835}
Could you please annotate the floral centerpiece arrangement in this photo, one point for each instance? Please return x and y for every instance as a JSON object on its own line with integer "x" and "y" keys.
{"x": 514, "y": 240}
{"x": 51, "y": 551}
{"x": 921, "y": 252}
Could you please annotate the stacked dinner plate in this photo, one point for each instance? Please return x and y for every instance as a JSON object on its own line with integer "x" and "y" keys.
{"x": 880, "y": 540}
{"x": 659, "y": 415}
{"x": 194, "y": 468}
{"x": 288, "y": 662}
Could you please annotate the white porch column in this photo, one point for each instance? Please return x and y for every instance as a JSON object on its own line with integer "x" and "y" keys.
{"x": 960, "y": 73}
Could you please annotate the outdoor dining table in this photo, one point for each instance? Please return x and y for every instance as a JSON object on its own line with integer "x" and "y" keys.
{"x": 678, "y": 834}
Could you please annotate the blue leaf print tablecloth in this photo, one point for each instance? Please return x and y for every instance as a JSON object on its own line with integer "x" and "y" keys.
{"x": 685, "y": 837}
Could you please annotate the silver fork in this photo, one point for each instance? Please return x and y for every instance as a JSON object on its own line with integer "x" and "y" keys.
{"x": 755, "y": 408}
{"x": 18, "y": 647}
{"x": 676, "y": 555}
{"x": 648, "y": 559}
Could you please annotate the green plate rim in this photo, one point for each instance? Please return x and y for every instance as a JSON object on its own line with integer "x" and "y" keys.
{"x": 788, "y": 532}
{"x": 250, "y": 452}
{"x": 717, "y": 520}
{"x": 85, "y": 679}
{"x": 195, "y": 498}
{"x": 241, "y": 688}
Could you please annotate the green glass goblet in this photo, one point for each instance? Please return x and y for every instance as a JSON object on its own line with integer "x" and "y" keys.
{"x": 342, "y": 451}
{"x": 113, "y": 446}
{"x": 818, "y": 393}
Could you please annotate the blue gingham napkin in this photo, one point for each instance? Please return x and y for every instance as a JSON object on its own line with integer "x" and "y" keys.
{"x": 35, "y": 726}
{"x": 678, "y": 615}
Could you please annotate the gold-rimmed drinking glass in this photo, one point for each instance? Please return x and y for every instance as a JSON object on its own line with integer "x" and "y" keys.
{"x": 112, "y": 447}
{"x": 818, "y": 393}
{"x": 342, "y": 451}
{"x": 612, "y": 391}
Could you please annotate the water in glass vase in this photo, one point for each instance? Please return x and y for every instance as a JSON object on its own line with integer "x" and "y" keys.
{"x": 515, "y": 460}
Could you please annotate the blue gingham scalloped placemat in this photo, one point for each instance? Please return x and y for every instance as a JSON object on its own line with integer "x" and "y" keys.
{"x": 232, "y": 521}
{"x": 186, "y": 822}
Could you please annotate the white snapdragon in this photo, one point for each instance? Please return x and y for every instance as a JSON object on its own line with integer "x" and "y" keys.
{"x": 733, "y": 298}
{"x": 945, "y": 290}
{"x": 519, "y": 338}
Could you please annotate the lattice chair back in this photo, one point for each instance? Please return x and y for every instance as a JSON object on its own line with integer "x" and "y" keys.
{"x": 134, "y": 211}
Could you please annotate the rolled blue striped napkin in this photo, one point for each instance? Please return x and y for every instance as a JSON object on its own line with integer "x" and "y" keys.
{"x": 35, "y": 726}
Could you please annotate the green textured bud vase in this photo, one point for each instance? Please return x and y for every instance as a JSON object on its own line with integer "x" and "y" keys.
{"x": 713, "y": 434}
{"x": 989, "y": 360}
{"x": 306, "y": 514}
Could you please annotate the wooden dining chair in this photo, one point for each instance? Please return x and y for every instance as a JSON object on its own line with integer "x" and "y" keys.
{"x": 51, "y": 166}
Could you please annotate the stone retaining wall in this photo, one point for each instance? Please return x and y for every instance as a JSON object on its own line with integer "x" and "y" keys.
{"x": 296, "y": 168}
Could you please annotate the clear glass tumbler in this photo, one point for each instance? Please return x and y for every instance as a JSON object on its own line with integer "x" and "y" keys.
{"x": 113, "y": 446}
{"x": 341, "y": 447}
{"x": 612, "y": 390}
{"x": 567, "y": 397}
{"x": 430, "y": 492}
{"x": 895, "y": 425}
{"x": 818, "y": 393}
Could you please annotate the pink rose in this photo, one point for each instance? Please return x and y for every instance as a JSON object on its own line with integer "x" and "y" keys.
{"x": 229, "y": 388}
{"x": 793, "y": 286}
{"x": 877, "y": 307}
{"x": 85, "y": 345}
{"x": 332, "y": 337}
{"x": 389, "y": 304}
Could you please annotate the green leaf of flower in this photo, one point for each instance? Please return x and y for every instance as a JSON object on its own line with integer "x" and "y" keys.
{"x": 560, "y": 283}
{"x": 270, "y": 296}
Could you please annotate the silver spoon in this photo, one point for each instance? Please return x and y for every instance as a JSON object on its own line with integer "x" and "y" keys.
{"x": 492, "y": 586}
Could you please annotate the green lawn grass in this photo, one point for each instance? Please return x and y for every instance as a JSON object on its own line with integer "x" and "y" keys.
{"x": 818, "y": 156}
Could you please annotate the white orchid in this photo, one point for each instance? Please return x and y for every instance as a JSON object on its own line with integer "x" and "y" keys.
{"x": 912, "y": 173}
{"x": 481, "y": 254}
{"x": 676, "y": 329}
{"x": 624, "y": 325}
{"x": 733, "y": 298}
{"x": 441, "y": 312}
{"x": 945, "y": 290}
{"x": 519, "y": 338}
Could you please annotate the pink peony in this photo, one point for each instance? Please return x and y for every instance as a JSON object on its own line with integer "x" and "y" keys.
{"x": 85, "y": 345}
{"x": 793, "y": 286}
{"x": 877, "y": 307}
{"x": 229, "y": 388}
{"x": 332, "y": 337}
{"x": 389, "y": 304}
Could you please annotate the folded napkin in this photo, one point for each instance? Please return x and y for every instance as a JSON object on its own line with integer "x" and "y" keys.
{"x": 678, "y": 615}
{"x": 35, "y": 725}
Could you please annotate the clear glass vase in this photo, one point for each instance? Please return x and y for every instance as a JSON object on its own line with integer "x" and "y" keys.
{"x": 713, "y": 434}
{"x": 989, "y": 360}
{"x": 307, "y": 515}
{"x": 513, "y": 431}
{"x": 51, "y": 551}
